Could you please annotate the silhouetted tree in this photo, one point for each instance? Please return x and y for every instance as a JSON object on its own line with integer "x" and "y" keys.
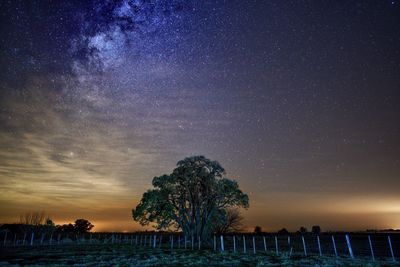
{"x": 257, "y": 229}
{"x": 82, "y": 226}
{"x": 65, "y": 228}
{"x": 316, "y": 229}
{"x": 33, "y": 218}
{"x": 303, "y": 230}
{"x": 227, "y": 221}
{"x": 49, "y": 222}
{"x": 190, "y": 197}
{"x": 36, "y": 222}
{"x": 283, "y": 231}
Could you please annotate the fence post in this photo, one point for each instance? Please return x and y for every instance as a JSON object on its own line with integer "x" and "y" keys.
{"x": 304, "y": 246}
{"x": 234, "y": 244}
{"x": 160, "y": 241}
{"x": 391, "y": 248}
{"x": 215, "y": 243}
{"x": 179, "y": 241}
{"x": 265, "y": 244}
{"x": 254, "y": 245}
{"x": 155, "y": 241}
{"x": 276, "y": 245}
{"x": 32, "y": 236}
{"x": 349, "y": 246}
{"x": 244, "y": 244}
{"x": 222, "y": 243}
{"x": 370, "y": 248}
{"x": 172, "y": 242}
{"x": 334, "y": 245}
{"x": 199, "y": 243}
{"x": 15, "y": 238}
{"x": 192, "y": 241}
{"x": 185, "y": 242}
{"x": 51, "y": 238}
{"x": 319, "y": 246}
{"x": 23, "y": 242}
{"x": 5, "y": 238}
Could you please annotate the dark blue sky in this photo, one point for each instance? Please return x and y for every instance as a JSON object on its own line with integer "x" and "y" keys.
{"x": 298, "y": 100}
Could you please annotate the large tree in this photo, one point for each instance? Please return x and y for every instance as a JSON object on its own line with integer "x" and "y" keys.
{"x": 191, "y": 198}
{"x": 228, "y": 221}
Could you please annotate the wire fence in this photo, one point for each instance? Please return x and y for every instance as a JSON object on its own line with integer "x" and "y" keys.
{"x": 376, "y": 246}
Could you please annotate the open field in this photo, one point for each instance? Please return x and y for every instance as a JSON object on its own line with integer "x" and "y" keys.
{"x": 126, "y": 255}
{"x": 173, "y": 249}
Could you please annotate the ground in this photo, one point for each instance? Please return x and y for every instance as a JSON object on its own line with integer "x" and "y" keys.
{"x": 126, "y": 255}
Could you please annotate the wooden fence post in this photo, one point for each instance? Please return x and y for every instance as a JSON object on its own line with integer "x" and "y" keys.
{"x": 51, "y": 238}
{"x": 391, "y": 248}
{"x": 244, "y": 244}
{"x": 334, "y": 246}
{"x": 215, "y": 243}
{"x": 304, "y": 246}
{"x": 276, "y": 245}
{"x": 254, "y": 245}
{"x": 222, "y": 243}
{"x": 234, "y": 244}
{"x": 199, "y": 243}
{"x": 5, "y": 238}
{"x": 185, "y": 241}
{"x": 265, "y": 244}
{"x": 370, "y": 248}
{"x": 172, "y": 242}
{"x": 32, "y": 237}
{"x": 23, "y": 242}
{"x": 349, "y": 246}
{"x": 319, "y": 246}
{"x": 192, "y": 242}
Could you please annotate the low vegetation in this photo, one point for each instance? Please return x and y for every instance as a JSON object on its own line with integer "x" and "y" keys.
{"x": 126, "y": 255}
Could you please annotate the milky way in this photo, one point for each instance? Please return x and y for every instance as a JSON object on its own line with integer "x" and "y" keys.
{"x": 298, "y": 101}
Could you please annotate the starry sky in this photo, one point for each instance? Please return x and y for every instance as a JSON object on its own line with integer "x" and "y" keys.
{"x": 298, "y": 100}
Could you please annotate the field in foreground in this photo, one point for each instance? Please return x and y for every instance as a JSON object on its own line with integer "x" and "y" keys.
{"x": 126, "y": 255}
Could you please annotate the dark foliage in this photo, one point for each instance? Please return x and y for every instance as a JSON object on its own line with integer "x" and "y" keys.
{"x": 283, "y": 231}
{"x": 194, "y": 197}
{"x": 316, "y": 229}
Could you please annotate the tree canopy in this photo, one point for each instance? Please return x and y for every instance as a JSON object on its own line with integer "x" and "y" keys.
{"x": 81, "y": 226}
{"x": 192, "y": 198}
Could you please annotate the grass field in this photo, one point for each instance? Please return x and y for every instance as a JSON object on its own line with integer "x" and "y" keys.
{"x": 126, "y": 255}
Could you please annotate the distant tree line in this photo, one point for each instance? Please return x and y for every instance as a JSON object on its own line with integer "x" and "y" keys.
{"x": 316, "y": 229}
{"x": 39, "y": 223}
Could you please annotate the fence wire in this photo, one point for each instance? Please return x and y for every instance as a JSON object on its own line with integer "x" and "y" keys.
{"x": 376, "y": 246}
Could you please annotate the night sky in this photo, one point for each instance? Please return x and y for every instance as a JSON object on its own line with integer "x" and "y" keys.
{"x": 298, "y": 100}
